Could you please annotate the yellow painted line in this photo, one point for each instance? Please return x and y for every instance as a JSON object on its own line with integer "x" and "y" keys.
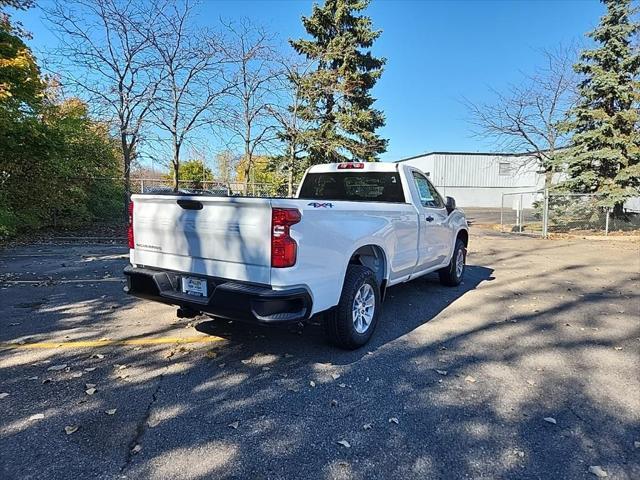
{"x": 107, "y": 343}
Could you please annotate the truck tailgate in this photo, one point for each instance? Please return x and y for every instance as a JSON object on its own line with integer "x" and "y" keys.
{"x": 216, "y": 236}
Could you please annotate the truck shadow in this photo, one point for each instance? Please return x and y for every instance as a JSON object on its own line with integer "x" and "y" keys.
{"x": 406, "y": 307}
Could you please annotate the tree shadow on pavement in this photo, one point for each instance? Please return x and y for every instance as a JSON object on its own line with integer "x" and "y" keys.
{"x": 406, "y": 307}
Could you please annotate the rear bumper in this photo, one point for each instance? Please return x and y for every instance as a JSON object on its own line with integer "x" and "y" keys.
{"x": 229, "y": 299}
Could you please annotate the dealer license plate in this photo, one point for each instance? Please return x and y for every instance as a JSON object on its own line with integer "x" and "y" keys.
{"x": 194, "y": 286}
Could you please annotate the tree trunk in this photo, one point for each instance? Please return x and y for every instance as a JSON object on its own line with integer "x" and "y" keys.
{"x": 176, "y": 166}
{"x": 292, "y": 159}
{"x": 126, "y": 158}
{"x": 548, "y": 179}
{"x": 618, "y": 211}
{"x": 247, "y": 165}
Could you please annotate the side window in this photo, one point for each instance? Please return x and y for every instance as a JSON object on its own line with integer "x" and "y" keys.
{"x": 437, "y": 199}
{"x": 426, "y": 197}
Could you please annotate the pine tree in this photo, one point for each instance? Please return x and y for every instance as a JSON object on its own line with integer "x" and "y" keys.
{"x": 604, "y": 156}
{"x": 336, "y": 97}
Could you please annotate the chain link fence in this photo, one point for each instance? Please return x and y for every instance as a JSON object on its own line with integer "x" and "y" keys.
{"x": 543, "y": 213}
{"x": 521, "y": 212}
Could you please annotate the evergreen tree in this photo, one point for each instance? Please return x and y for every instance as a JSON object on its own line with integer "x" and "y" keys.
{"x": 604, "y": 156}
{"x": 336, "y": 97}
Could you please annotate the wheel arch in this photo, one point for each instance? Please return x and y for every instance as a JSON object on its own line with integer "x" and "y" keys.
{"x": 463, "y": 234}
{"x": 373, "y": 257}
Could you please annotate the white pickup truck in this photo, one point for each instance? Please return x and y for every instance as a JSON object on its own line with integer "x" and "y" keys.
{"x": 353, "y": 230}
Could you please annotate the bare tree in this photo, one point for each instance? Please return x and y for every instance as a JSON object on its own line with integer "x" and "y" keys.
{"x": 193, "y": 63}
{"x": 291, "y": 127}
{"x": 528, "y": 116}
{"x": 252, "y": 88}
{"x": 104, "y": 51}
{"x": 226, "y": 163}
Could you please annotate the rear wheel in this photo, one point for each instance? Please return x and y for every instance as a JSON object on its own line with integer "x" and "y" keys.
{"x": 351, "y": 324}
{"x": 453, "y": 273}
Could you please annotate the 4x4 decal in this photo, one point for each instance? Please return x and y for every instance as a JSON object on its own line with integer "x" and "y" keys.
{"x": 321, "y": 205}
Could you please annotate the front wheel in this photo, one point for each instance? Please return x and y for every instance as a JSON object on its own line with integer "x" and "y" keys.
{"x": 452, "y": 274}
{"x": 352, "y": 322}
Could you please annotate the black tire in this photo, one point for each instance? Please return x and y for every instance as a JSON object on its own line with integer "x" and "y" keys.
{"x": 449, "y": 275}
{"x": 339, "y": 323}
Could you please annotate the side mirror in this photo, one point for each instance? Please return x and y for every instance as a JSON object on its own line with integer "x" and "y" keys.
{"x": 450, "y": 204}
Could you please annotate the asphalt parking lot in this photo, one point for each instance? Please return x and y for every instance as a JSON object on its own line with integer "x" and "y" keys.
{"x": 530, "y": 369}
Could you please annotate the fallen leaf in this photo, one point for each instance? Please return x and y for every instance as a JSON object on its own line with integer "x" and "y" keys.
{"x": 37, "y": 416}
{"x": 334, "y": 403}
{"x": 394, "y": 420}
{"x": 136, "y": 449}
{"x": 344, "y": 443}
{"x": 312, "y": 383}
{"x": 597, "y": 471}
{"x": 89, "y": 369}
{"x": 111, "y": 411}
{"x": 3, "y": 395}
{"x": 550, "y": 420}
{"x": 335, "y": 376}
{"x": 442, "y": 372}
{"x": 367, "y": 426}
{"x": 71, "y": 429}
{"x": 90, "y": 391}
{"x": 470, "y": 379}
{"x": 56, "y": 368}
{"x": 234, "y": 425}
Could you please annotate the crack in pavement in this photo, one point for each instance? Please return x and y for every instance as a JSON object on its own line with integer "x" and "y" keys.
{"x": 141, "y": 425}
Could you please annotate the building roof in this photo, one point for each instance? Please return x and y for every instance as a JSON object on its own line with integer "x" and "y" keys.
{"x": 490, "y": 154}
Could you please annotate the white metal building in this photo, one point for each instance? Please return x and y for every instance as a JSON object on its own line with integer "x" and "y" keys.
{"x": 479, "y": 179}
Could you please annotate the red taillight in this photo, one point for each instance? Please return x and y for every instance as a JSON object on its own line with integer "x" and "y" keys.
{"x": 130, "y": 229}
{"x": 350, "y": 165}
{"x": 283, "y": 248}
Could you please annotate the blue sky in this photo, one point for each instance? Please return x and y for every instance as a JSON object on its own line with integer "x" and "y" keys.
{"x": 437, "y": 52}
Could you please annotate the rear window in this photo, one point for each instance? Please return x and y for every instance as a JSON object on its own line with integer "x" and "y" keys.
{"x": 353, "y": 186}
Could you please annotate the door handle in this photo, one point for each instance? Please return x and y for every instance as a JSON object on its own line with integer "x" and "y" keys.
{"x": 429, "y": 218}
{"x": 190, "y": 204}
